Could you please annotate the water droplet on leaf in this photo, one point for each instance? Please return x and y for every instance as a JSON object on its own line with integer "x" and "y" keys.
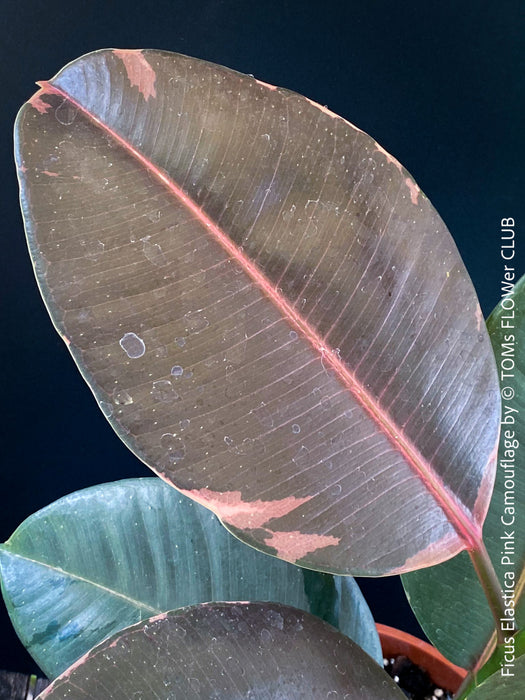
{"x": 66, "y": 113}
{"x": 132, "y": 345}
{"x": 196, "y": 322}
{"x": 122, "y": 398}
{"x": 263, "y": 415}
{"x": 265, "y": 637}
{"x": 153, "y": 252}
{"x": 164, "y": 391}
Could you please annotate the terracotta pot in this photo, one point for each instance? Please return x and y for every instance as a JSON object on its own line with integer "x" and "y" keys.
{"x": 442, "y": 672}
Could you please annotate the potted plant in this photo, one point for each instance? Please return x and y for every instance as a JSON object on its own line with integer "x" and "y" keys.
{"x": 273, "y": 317}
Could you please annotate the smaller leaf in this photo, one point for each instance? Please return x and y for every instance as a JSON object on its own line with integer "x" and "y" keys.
{"x": 107, "y": 557}
{"x": 259, "y": 651}
{"x": 508, "y": 681}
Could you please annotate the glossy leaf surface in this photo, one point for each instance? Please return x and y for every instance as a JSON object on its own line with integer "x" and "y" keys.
{"x": 445, "y": 596}
{"x": 226, "y": 651}
{"x": 266, "y": 307}
{"x": 104, "y": 558}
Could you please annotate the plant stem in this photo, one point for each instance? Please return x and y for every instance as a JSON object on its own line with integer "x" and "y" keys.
{"x": 466, "y": 687}
{"x": 492, "y": 589}
{"x": 490, "y": 584}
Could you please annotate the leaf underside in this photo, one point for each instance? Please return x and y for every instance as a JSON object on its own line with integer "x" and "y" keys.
{"x": 226, "y": 651}
{"x": 269, "y": 311}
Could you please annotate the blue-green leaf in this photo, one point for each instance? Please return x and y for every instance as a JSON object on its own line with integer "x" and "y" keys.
{"x": 107, "y": 557}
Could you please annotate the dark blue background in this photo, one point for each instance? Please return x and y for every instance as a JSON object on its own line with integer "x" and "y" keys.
{"x": 438, "y": 84}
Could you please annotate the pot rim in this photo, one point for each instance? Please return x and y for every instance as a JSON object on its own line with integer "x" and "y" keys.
{"x": 443, "y": 672}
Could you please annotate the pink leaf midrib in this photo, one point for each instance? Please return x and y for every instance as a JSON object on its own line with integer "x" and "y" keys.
{"x": 467, "y": 529}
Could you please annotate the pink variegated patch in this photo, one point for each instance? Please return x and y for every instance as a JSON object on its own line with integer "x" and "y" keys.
{"x": 139, "y": 71}
{"x": 295, "y": 545}
{"x": 37, "y": 102}
{"x": 389, "y": 157}
{"x": 414, "y": 190}
{"x": 245, "y": 515}
{"x": 266, "y": 85}
{"x": 479, "y": 318}
{"x": 449, "y": 545}
{"x": 331, "y": 114}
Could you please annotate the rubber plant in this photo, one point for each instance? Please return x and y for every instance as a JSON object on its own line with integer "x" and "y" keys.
{"x": 273, "y": 317}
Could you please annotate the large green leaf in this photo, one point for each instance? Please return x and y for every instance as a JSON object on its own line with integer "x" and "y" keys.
{"x": 448, "y": 599}
{"x": 106, "y": 557}
{"x": 226, "y": 651}
{"x": 266, "y": 308}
